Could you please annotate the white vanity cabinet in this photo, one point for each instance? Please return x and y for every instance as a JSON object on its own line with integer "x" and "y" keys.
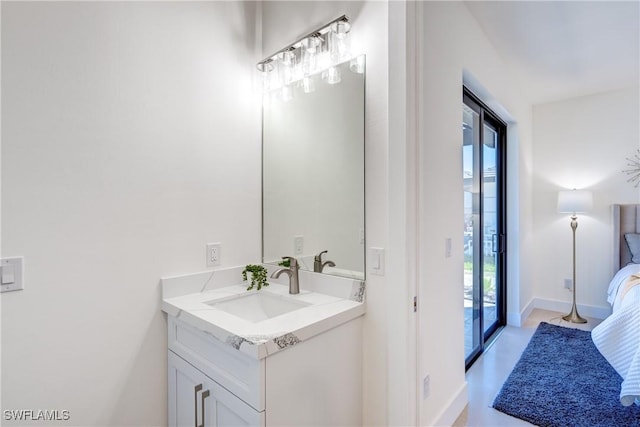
{"x": 197, "y": 400}
{"x": 314, "y": 382}
{"x": 297, "y": 367}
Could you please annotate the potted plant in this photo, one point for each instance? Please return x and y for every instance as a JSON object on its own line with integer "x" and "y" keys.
{"x": 258, "y": 276}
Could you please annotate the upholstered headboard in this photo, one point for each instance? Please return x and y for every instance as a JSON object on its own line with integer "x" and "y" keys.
{"x": 626, "y": 219}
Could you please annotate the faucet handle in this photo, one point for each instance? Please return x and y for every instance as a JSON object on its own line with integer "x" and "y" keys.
{"x": 293, "y": 263}
{"x": 318, "y": 257}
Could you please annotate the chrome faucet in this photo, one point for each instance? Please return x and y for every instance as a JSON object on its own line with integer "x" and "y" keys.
{"x": 318, "y": 265}
{"x": 292, "y": 272}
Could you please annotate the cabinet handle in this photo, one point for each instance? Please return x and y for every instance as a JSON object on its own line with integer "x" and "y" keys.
{"x": 195, "y": 400}
{"x": 204, "y": 395}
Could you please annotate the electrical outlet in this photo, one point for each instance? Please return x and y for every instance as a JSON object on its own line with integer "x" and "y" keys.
{"x": 568, "y": 284}
{"x": 213, "y": 254}
{"x": 298, "y": 245}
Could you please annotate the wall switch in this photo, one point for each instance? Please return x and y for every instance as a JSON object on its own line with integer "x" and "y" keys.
{"x": 376, "y": 261}
{"x": 8, "y": 274}
{"x": 11, "y": 274}
{"x": 568, "y": 284}
{"x": 447, "y": 247}
{"x": 298, "y": 245}
{"x": 426, "y": 386}
{"x": 213, "y": 254}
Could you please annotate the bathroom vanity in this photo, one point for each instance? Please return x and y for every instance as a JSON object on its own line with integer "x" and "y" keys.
{"x": 272, "y": 358}
{"x": 266, "y": 358}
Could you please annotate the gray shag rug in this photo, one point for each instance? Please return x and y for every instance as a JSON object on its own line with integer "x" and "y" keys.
{"x": 562, "y": 380}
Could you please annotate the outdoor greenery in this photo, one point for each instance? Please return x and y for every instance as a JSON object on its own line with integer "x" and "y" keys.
{"x": 488, "y": 268}
{"x": 488, "y": 281}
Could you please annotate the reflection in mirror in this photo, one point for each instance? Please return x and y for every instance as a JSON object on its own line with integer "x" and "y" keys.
{"x": 313, "y": 172}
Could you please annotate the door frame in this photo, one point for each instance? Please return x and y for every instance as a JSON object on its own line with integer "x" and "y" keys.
{"x": 488, "y": 116}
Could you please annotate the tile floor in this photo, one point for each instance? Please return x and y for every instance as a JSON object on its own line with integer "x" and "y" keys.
{"x": 488, "y": 373}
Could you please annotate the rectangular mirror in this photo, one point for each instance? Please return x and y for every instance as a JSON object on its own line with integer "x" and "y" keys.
{"x": 313, "y": 173}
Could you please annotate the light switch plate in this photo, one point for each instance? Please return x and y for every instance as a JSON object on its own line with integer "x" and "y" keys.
{"x": 11, "y": 274}
{"x": 376, "y": 261}
{"x": 447, "y": 247}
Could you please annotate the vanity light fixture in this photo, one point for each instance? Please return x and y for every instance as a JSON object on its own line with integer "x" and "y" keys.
{"x": 316, "y": 53}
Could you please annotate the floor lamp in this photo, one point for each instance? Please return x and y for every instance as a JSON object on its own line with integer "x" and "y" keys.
{"x": 574, "y": 202}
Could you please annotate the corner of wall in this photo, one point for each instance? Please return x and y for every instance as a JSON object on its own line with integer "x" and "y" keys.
{"x": 454, "y": 408}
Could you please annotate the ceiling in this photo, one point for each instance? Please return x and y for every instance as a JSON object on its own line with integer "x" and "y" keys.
{"x": 564, "y": 49}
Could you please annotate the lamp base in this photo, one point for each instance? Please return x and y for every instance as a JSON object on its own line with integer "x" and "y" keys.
{"x": 574, "y": 317}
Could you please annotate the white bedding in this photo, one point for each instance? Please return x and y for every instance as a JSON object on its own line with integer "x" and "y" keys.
{"x": 618, "y": 336}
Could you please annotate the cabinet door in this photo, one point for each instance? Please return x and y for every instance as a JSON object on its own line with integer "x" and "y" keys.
{"x": 198, "y": 401}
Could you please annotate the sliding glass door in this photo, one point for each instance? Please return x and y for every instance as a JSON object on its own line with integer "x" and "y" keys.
{"x": 484, "y": 138}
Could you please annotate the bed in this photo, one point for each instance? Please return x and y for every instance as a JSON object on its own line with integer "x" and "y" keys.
{"x": 618, "y": 336}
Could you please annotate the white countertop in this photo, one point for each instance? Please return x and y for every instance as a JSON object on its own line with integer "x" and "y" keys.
{"x": 192, "y": 299}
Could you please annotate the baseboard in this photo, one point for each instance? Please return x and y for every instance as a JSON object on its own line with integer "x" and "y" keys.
{"x": 516, "y": 319}
{"x": 565, "y": 307}
{"x": 452, "y": 411}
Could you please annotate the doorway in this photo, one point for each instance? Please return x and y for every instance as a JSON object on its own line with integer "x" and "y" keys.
{"x": 484, "y": 176}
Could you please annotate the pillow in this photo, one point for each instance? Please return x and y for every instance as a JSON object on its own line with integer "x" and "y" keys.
{"x": 633, "y": 242}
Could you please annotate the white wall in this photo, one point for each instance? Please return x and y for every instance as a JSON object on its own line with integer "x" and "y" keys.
{"x": 581, "y": 143}
{"x": 283, "y": 23}
{"x": 450, "y": 53}
{"x": 130, "y": 139}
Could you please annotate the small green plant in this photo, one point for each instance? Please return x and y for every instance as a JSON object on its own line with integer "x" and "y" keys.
{"x": 258, "y": 276}
{"x": 285, "y": 263}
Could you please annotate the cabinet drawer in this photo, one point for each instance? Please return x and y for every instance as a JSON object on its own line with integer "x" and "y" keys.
{"x": 234, "y": 370}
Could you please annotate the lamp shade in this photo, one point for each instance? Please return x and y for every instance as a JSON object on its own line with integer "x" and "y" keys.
{"x": 574, "y": 201}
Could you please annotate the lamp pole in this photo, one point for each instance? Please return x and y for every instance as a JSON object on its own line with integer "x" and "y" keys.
{"x": 574, "y": 317}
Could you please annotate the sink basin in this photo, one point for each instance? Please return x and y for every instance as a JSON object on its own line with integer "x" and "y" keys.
{"x": 256, "y": 307}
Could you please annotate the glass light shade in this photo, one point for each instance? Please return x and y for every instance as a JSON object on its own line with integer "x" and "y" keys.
{"x": 357, "y": 64}
{"x": 340, "y": 27}
{"x": 287, "y": 93}
{"x": 288, "y": 62}
{"x": 311, "y": 44}
{"x": 266, "y": 66}
{"x": 308, "y": 85}
{"x": 333, "y": 76}
{"x": 339, "y": 41}
{"x": 574, "y": 201}
{"x": 308, "y": 57}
